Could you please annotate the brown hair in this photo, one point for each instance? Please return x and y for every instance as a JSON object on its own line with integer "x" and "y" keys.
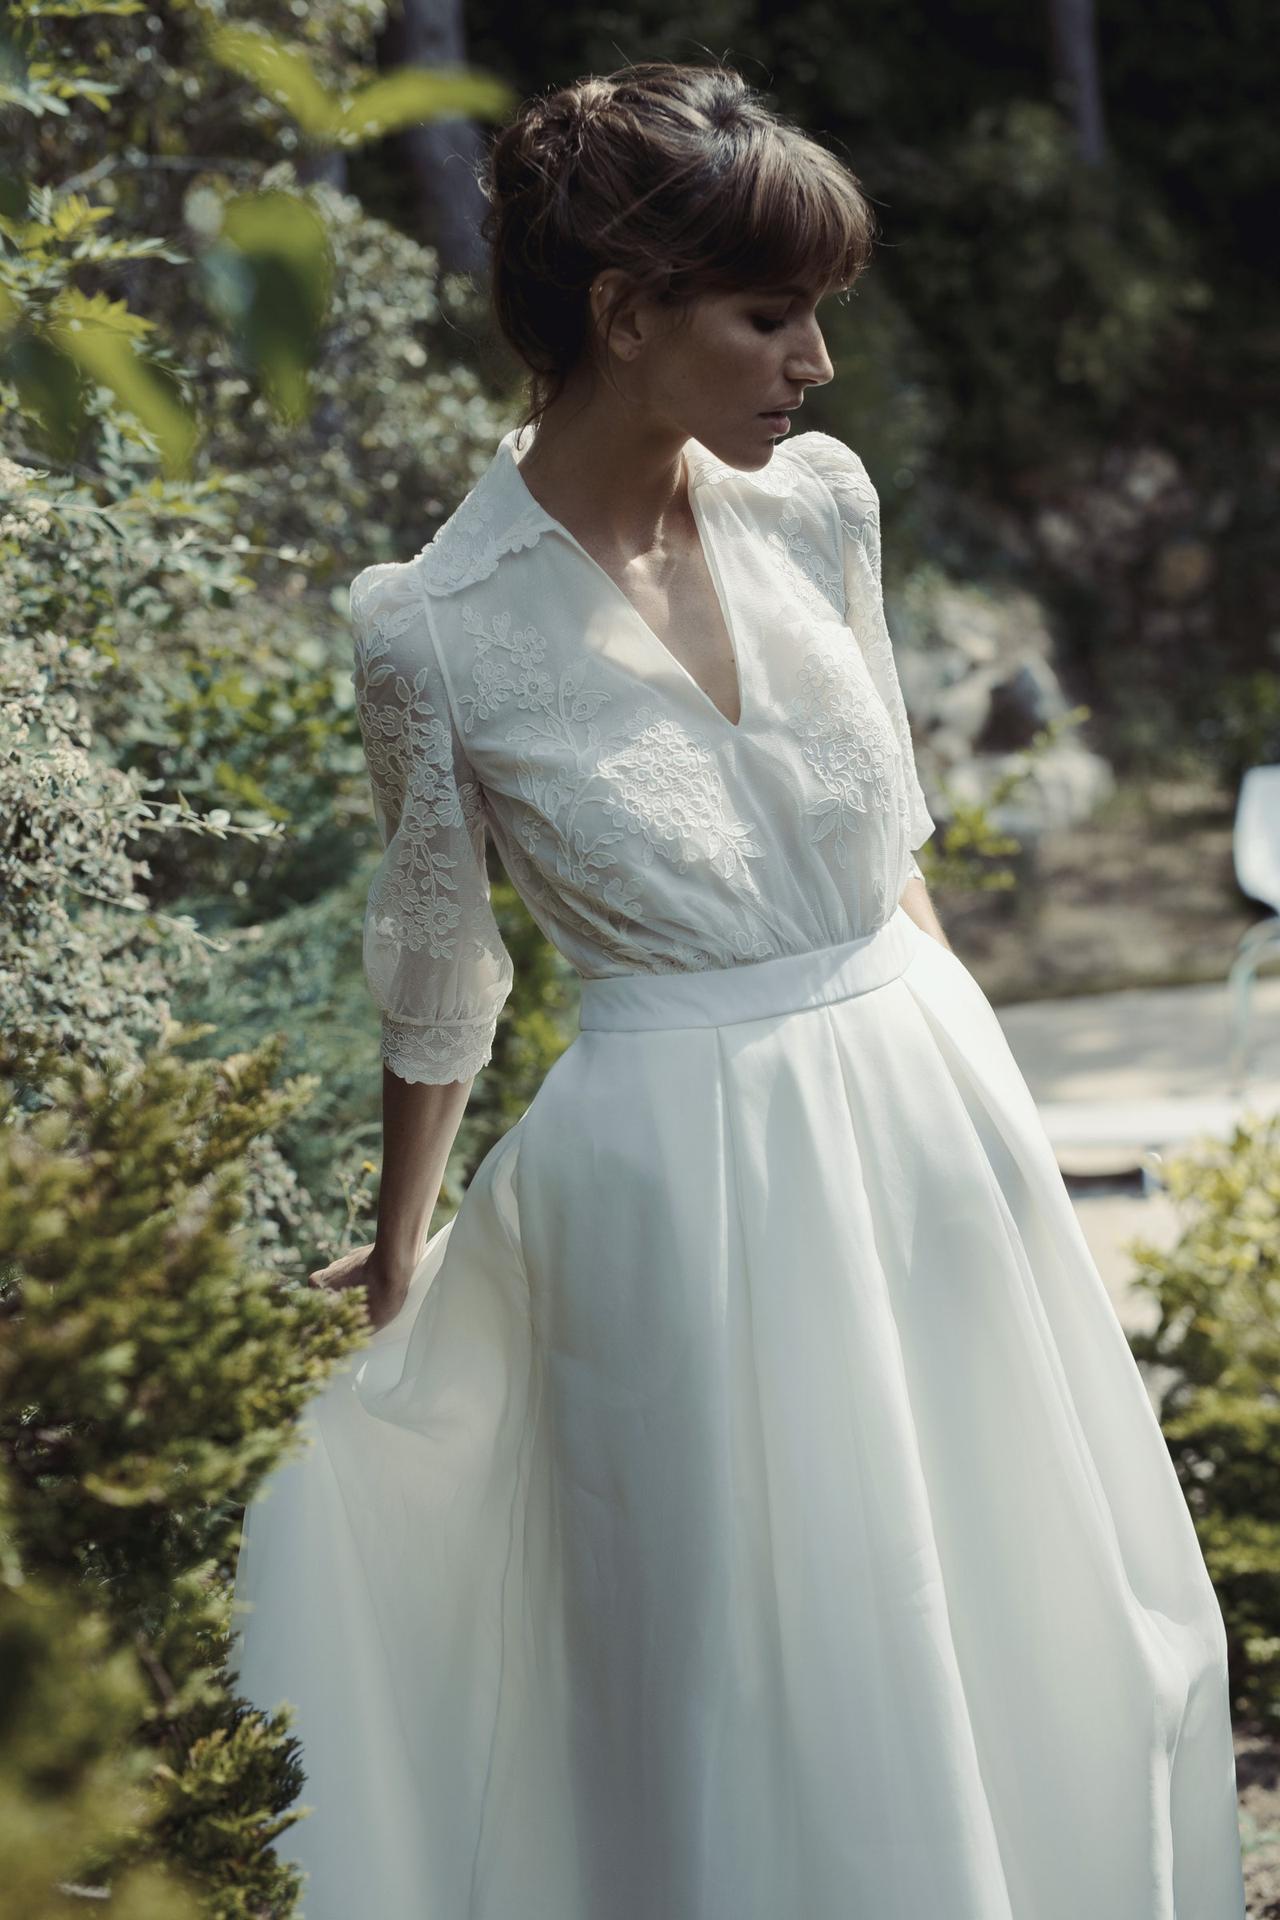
{"x": 680, "y": 176}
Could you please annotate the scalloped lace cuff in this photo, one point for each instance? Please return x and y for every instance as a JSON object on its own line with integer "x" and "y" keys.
{"x": 434, "y": 1055}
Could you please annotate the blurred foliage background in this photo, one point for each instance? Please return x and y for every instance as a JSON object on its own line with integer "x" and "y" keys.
{"x": 244, "y": 352}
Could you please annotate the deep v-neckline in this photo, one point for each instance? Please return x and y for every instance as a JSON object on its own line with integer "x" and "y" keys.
{"x": 710, "y": 561}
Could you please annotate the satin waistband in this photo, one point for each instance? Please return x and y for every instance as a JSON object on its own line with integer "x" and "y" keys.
{"x": 719, "y": 996}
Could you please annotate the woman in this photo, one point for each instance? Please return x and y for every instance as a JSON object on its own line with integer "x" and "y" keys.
{"x": 748, "y": 1506}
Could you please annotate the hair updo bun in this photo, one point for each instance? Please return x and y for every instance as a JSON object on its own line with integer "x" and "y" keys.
{"x": 679, "y": 176}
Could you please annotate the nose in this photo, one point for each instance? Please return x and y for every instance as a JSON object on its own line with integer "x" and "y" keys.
{"x": 813, "y": 367}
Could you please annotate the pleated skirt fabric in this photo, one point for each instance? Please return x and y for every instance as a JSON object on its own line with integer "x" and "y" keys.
{"x": 755, "y": 1511}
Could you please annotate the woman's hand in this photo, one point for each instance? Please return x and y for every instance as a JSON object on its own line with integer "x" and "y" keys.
{"x": 385, "y": 1286}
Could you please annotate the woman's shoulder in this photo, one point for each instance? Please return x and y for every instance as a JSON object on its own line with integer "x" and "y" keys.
{"x": 389, "y": 627}
{"x": 838, "y": 466}
{"x": 814, "y": 468}
{"x": 496, "y": 517}
{"x": 486, "y": 526}
{"x": 383, "y": 599}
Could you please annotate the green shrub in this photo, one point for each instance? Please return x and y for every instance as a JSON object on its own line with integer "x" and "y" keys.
{"x": 150, "y": 1378}
{"x": 1218, "y": 1337}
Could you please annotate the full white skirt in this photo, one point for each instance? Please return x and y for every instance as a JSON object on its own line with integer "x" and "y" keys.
{"x": 755, "y": 1512}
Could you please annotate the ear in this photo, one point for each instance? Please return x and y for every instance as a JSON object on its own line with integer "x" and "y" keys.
{"x": 632, "y": 324}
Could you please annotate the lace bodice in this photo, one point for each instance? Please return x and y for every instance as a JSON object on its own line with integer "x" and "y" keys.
{"x": 506, "y": 685}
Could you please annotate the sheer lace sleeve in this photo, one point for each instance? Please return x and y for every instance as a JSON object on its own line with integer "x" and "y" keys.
{"x": 434, "y": 959}
{"x": 858, "y": 505}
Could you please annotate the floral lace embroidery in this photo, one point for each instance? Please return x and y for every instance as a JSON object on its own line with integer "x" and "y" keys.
{"x": 433, "y": 1055}
{"x": 847, "y": 740}
{"x": 506, "y": 664}
{"x": 468, "y": 548}
{"x": 409, "y": 750}
{"x": 857, "y": 596}
{"x": 668, "y": 789}
{"x": 422, "y": 809}
{"x": 589, "y": 799}
{"x": 847, "y": 733}
{"x": 650, "y": 780}
{"x": 821, "y": 587}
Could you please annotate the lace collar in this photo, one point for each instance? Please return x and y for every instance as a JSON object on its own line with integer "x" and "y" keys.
{"x": 501, "y": 516}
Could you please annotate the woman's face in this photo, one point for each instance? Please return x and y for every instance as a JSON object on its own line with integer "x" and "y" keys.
{"x": 715, "y": 369}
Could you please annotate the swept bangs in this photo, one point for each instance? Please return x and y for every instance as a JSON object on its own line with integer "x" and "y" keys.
{"x": 785, "y": 214}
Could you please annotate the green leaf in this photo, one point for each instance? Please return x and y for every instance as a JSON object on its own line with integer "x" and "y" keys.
{"x": 98, "y": 335}
{"x": 270, "y": 277}
{"x": 415, "y": 94}
{"x": 402, "y": 99}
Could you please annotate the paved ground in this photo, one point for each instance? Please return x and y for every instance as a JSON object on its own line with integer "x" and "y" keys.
{"x": 1122, "y": 1076}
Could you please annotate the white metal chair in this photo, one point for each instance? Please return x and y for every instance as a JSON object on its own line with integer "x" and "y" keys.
{"x": 1256, "y": 851}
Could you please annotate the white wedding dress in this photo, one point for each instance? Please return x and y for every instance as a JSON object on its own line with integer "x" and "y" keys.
{"x": 755, "y": 1511}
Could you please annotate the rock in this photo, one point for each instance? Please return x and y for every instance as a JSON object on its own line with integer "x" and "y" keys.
{"x": 964, "y": 707}
{"x": 1063, "y": 785}
{"x": 979, "y": 683}
{"x": 1020, "y": 706}
{"x": 944, "y": 749}
{"x": 984, "y": 626}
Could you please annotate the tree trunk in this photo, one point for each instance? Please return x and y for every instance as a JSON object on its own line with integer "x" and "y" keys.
{"x": 445, "y": 155}
{"x": 1077, "y": 84}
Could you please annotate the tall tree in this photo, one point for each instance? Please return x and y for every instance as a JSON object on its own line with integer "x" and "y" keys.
{"x": 444, "y": 154}
{"x": 1077, "y": 83}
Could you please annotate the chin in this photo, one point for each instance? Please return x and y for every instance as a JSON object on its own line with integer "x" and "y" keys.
{"x": 761, "y": 460}
{"x": 755, "y": 461}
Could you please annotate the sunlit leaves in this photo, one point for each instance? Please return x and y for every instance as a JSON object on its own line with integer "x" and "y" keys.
{"x": 401, "y": 99}
{"x": 283, "y": 73}
{"x": 41, "y": 87}
{"x": 269, "y": 278}
{"x": 266, "y": 273}
{"x": 99, "y": 335}
{"x": 417, "y": 93}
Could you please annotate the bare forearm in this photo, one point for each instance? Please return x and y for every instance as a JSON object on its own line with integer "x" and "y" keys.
{"x": 419, "y": 1126}
{"x": 915, "y": 898}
